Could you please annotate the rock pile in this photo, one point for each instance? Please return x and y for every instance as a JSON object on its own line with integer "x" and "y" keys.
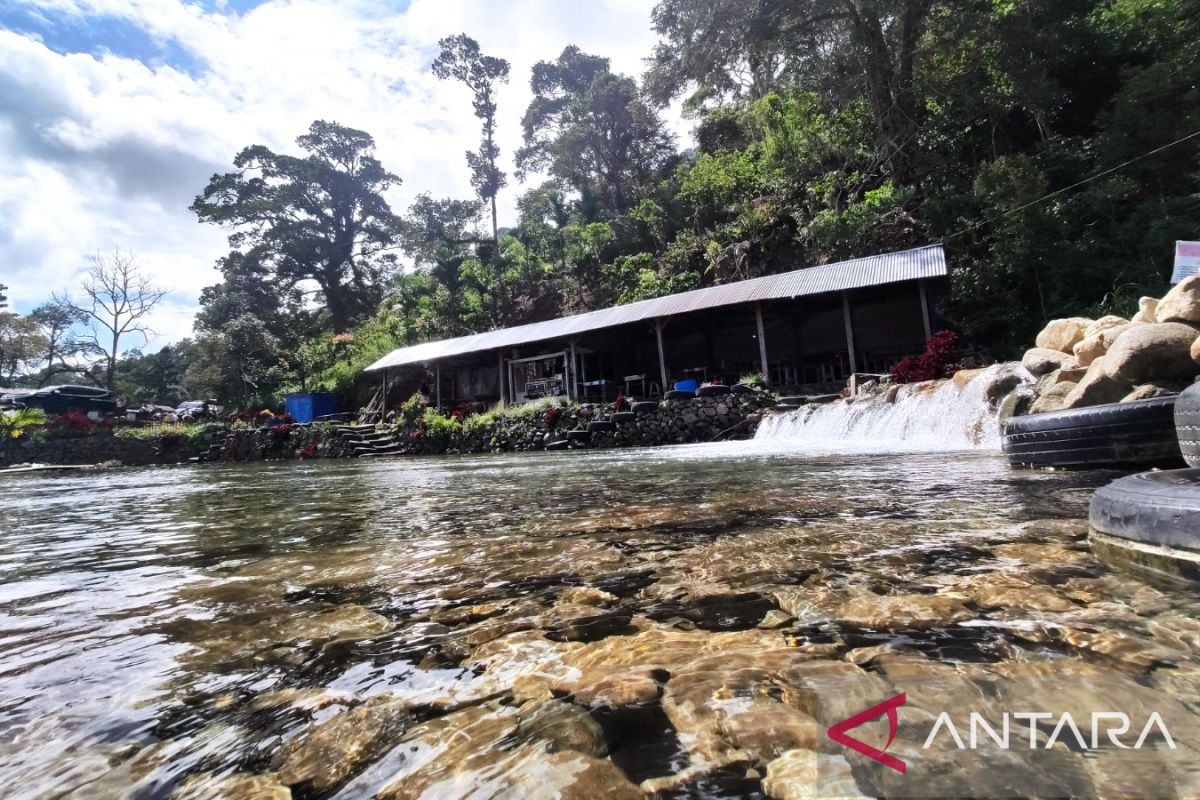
{"x": 1083, "y": 362}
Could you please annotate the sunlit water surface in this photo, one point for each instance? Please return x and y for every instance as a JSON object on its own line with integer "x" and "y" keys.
{"x": 165, "y": 630}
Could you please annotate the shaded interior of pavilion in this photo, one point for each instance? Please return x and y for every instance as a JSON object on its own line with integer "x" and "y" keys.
{"x": 810, "y": 344}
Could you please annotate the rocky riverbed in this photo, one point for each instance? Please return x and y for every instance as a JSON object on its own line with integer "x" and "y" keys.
{"x": 678, "y": 622}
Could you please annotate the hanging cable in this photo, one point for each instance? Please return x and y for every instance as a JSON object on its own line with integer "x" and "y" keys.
{"x": 1075, "y": 185}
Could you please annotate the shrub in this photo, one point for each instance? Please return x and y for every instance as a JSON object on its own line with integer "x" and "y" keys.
{"x": 755, "y": 379}
{"x": 15, "y": 422}
{"x": 940, "y": 360}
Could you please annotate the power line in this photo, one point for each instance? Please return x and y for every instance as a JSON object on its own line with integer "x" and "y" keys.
{"x": 1075, "y": 185}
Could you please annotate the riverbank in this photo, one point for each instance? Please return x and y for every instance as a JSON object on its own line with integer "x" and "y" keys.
{"x": 414, "y": 430}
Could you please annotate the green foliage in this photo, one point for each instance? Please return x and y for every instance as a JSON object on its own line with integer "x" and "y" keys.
{"x": 411, "y": 410}
{"x": 755, "y": 379}
{"x": 17, "y": 422}
{"x": 199, "y": 432}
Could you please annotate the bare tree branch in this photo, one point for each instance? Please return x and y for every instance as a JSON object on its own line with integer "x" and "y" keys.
{"x": 116, "y": 300}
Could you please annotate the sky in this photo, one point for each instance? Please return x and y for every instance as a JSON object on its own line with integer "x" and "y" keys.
{"x": 115, "y": 113}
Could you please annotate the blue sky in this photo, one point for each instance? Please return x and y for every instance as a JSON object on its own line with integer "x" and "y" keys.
{"x": 116, "y": 112}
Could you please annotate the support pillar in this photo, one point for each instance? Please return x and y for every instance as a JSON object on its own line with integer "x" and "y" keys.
{"x": 762, "y": 343}
{"x": 925, "y": 309}
{"x": 662, "y": 359}
{"x": 849, "y": 332}
{"x": 438, "y": 393}
{"x": 572, "y": 382}
{"x": 383, "y": 412}
{"x": 500, "y": 381}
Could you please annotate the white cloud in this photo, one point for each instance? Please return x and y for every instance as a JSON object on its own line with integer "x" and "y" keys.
{"x": 103, "y": 151}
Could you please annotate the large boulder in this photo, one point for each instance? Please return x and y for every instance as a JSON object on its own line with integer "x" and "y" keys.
{"x": 1149, "y": 353}
{"x": 1196, "y": 350}
{"x": 1103, "y": 324}
{"x": 1053, "y": 398}
{"x": 1182, "y": 303}
{"x": 1096, "y": 387}
{"x": 1108, "y": 336}
{"x": 1062, "y": 334}
{"x": 1147, "y": 308}
{"x": 1041, "y": 360}
{"x": 1148, "y": 391}
{"x": 1089, "y": 349}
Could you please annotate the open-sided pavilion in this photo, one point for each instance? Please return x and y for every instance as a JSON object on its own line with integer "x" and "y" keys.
{"x": 806, "y": 331}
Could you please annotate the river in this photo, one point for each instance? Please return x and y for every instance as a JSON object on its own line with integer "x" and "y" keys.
{"x": 227, "y": 630}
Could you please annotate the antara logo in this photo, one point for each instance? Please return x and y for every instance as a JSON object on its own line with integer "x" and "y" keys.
{"x": 838, "y": 732}
{"x": 1104, "y": 724}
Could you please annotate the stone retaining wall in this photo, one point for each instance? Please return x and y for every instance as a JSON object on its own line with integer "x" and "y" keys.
{"x": 699, "y": 419}
{"x": 99, "y": 448}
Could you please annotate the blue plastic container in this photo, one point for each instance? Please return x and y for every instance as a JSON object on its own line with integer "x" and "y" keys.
{"x": 685, "y": 386}
{"x": 307, "y": 406}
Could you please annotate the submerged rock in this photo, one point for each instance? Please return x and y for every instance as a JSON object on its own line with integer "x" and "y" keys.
{"x": 452, "y": 757}
{"x": 806, "y": 775}
{"x": 888, "y": 612}
{"x": 562, "y": 726}
{"x": 334, "y": 750}
{"x": 233, "y": 787}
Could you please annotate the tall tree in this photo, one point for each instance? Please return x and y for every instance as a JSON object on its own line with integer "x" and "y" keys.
{"x": 592, "y": 129}
{"x": 319, "y": 217}
{"x": 21, "y": 345}
{"x": 839, "y": 48}
{"x": 3, "y": 296}
{"x": 57, "y": 324}
{"x": 462, "y": 60}
{"x": 117, "y": 299}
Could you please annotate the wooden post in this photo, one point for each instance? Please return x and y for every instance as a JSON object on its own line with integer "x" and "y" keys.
{"x": 438, "y": 378}
{"x": 572, "y": 383}
{"x": 500, "y": 377}
{"x": 383, "y": 413}
{"x": 925, "y": 308}
{"x": 762, "y": 343}
{"x": 849, "y": 332}
{"x": 662, "y": 359}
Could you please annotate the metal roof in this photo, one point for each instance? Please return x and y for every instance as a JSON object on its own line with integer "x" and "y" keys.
{"x": 907, "y": 265}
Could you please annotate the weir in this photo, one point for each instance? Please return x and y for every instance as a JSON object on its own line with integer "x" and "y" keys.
{"x": 937, "y": 416}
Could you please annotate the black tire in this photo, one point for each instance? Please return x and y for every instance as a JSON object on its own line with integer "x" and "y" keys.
{"x": 1141, "y": 433}
{"x": 579, "y": 436}
{"x": 561, "y": 444}
{"x": 624, "y": 416}
{"x": 741, "y": 388}
{"x": 644, "y": 407}
{"x": 600, "y": 426}
{"x": 1159, "y": 508}
{"x": 712, "y": 391}
{"x": 1187, "y": 424}
{"x": 678, "y": 394}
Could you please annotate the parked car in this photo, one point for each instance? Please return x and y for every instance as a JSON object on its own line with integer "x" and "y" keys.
{"x": 196, "y": 410}
{"x": 61, "y": 399}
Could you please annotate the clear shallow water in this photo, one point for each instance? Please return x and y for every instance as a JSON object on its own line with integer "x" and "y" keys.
{"x": 186, "y": 630}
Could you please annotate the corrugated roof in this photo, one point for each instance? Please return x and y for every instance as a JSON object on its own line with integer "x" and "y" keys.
{"x": 907, "y": 265}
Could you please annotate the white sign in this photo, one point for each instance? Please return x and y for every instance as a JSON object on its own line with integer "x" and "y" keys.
{"x": 1187, "y": 260}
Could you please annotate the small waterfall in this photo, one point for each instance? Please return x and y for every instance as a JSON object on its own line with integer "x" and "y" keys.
{"x": 922, "y": 417}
